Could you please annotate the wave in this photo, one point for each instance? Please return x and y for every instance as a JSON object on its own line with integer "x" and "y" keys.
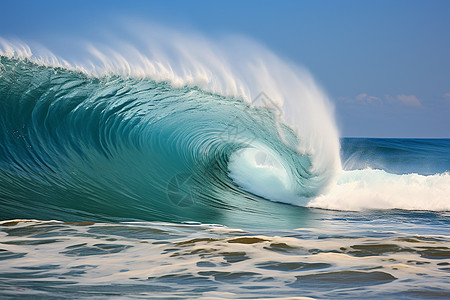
{"x": 161, "y": 140}
{"x": 397, "y": 156}
{"x": 377, "y": 189}
{"x": 410, "y": 174}
{"x": 182, "y": 128}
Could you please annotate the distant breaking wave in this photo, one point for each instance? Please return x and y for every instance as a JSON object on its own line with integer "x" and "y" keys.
{"x": 410, "y": 174}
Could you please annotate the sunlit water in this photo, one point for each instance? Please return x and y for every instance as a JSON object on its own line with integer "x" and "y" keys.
{"x": 394, "y": 254}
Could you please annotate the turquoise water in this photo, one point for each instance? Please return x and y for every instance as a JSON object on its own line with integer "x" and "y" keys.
{"x": 116, "y": 186}
{"x": 76, "y": 147}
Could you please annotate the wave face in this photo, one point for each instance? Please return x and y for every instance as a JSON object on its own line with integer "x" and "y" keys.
{"x": 76, "y": 146}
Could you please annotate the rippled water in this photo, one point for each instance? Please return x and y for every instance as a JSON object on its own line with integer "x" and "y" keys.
{"x": 351, "y": 255}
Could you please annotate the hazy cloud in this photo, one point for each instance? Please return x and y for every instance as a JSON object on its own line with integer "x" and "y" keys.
{"x": 446, "y": 97}
{"x": 390, "y": 98}
{"x": 409, "y": 100}
{"x": 368, "y": 99}
{"x": 363, "y": 98}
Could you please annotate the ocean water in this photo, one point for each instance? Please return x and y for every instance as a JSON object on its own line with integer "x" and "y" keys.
{"x": 131, "y": 185}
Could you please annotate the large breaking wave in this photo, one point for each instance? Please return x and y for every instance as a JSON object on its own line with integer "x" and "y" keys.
{"x": 179, "y": 128}
{"x": 183, "y": 132}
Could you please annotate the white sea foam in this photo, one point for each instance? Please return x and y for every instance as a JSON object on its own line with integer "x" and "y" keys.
{"x": 377, "y": 189}
{"x": 261, "y": 171}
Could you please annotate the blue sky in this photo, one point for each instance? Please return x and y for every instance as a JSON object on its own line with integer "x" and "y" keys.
{"x": 385, "y": 64}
